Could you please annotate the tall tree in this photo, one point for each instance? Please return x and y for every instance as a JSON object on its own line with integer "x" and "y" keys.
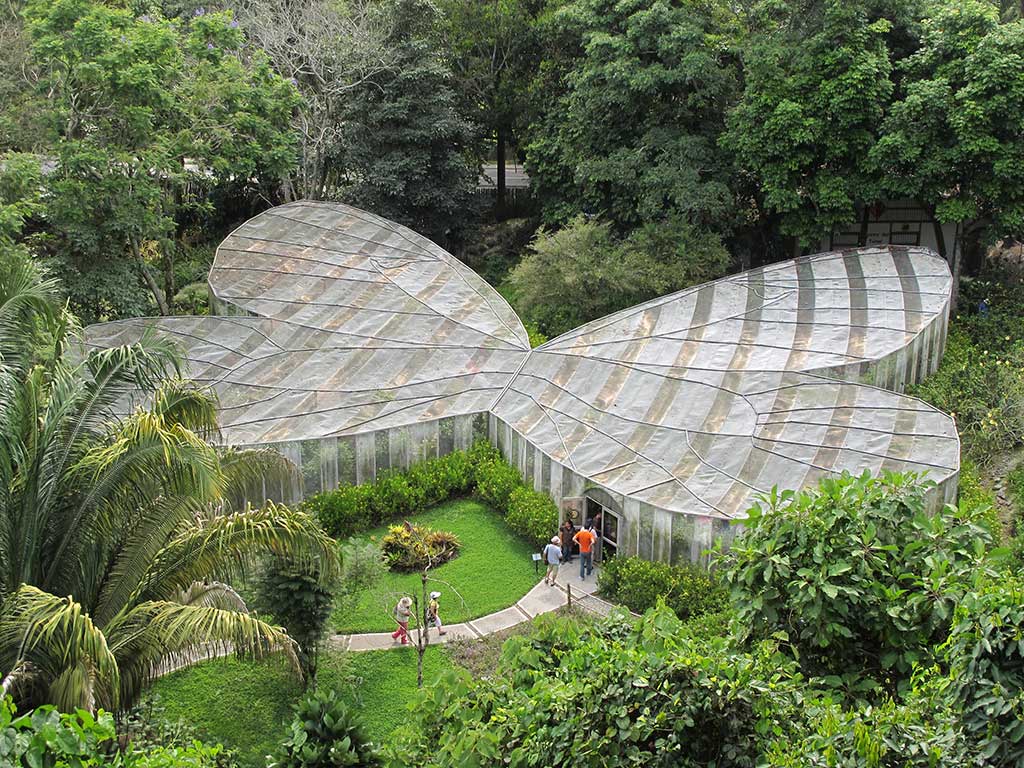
{"x": 118, "y": 535}
{"x": 148, "y": 113}
{"x": 494, "y": 54}
{"x": 327, "y": 50}
{"x": 817, "y": 83}
{"x": 634, "y": 111}
{"x": 954, "y": 139}
{"x": 408, "y": 153}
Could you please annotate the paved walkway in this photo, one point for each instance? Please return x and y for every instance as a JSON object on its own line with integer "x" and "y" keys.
{"x": 540, "y": 599}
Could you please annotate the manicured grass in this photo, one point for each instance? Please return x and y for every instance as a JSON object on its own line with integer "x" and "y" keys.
{"x": 386, "y": 685}
{"x": 492, "y": 571}
{"x": 244, "y": 705}
{"x": 247, "y": 705}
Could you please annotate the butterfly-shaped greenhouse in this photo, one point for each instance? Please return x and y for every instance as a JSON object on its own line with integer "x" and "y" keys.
{"x": 354, "y": 345}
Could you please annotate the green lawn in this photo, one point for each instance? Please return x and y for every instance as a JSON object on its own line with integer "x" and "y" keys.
{"x": 492, "y": 571}
{"x": 247, "y": 705}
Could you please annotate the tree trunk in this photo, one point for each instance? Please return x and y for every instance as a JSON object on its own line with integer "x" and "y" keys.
{"x": 953, "y": 259}
{"x": 862, "y": 238}
{"x": 499, "y": 208}
{"x": 161, "y": 302}
{"x": 168, "y": 253}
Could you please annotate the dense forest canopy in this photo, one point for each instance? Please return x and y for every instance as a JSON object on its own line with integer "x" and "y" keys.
{"x": 747, "y": 132}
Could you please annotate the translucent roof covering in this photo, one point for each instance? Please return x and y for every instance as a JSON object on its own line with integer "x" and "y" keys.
{"x": 696, "y": 400}
{"x": 350, "y": 323}
{"x": 359, "y": 324}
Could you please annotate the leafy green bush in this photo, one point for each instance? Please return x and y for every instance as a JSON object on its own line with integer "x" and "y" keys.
{"x": 623, "y": 693}
{"x": 325, "y": 732}
{"x": 296, "y": 597}
{"x": 920, "y": 732}
{"x": 415, "y": 547}
{"x": 350, "y": 509}
{"x": 532, "y": 514}
{"x": 975, "y": 499}
{"x": 855, "y": 575}
{"x": 344, "y": 511}
{"x": 45, "y": 738}
{"x": 480, "y": 470}
{"x": 689, "y": 590}
{"x": 986, "y": 658}
{"x": 983, "y": 388}
{"x": 496, "y": 479}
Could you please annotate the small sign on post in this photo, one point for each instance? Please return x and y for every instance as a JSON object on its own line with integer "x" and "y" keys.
{"x": 536, "y": 562}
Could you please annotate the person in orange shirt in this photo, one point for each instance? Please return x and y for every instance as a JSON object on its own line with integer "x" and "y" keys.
{"x": 585, "y": 538}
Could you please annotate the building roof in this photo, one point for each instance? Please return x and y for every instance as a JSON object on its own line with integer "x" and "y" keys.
{"x": 348, "y": 323}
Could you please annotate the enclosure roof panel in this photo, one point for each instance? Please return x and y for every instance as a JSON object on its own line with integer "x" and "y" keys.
{"x": 347, "y": 323}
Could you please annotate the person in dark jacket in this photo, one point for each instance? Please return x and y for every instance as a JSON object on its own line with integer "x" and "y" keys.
{"x": 566, "y": 532}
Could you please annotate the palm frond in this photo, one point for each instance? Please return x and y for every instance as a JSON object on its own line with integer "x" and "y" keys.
{"x": 213, "y": 595}
{"x": 59, "y": 640}
{"x": 133, "y": 549}
{"x": 144, "y": 459}
{"x": 182, "y": 404}
{"x": 226, "y": 544}
{"x": 246, "y": 472}
{"x": 157, "y": 637}
{"x": 28, "y": 303}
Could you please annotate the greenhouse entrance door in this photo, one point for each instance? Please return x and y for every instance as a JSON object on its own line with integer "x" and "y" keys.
{"x": 607, "y": 524}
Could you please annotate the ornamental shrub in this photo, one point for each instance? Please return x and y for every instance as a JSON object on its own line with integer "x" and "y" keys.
{"x": 344, "y": 511}
{"x": 855, "y": 576}
{"x": 496, "y": 479}
{"x": 415, "y": 547}
{"x": 325, "y": 732}
{"x": 689, "y": 590}
{"x": 532, "y": 514}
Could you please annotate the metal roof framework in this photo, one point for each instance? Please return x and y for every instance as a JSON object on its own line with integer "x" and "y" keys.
{"x": 333, "y": 322}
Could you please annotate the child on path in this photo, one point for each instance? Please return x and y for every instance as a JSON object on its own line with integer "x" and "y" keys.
{"x": 433, "y": 617}
{"x": 586, "y": 538}
{"x": 552, "y": 556}
{"x": 402, "y": 614}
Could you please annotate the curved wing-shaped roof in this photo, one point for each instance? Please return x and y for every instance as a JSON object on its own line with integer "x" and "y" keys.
{"x": 338, "y": 322}
{"x": 697, "y": 400}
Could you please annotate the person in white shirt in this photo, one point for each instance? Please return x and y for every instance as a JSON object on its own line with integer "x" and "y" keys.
{"x": 553, "y": 557}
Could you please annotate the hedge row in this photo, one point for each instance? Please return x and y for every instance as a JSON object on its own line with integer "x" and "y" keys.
{"x": 689, "y": 590}
{"x": 480, "y": 471}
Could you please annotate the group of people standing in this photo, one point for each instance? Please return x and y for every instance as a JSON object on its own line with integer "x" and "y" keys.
{"x": 431, "y": 617}
{"x": 563, "y": 547}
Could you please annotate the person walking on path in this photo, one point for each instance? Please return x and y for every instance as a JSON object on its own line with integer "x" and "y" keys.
{"x": 402, "y": 614}
{"x": 552, "y": 556}
{"x": 566, "y": 532}
{"x": 433, "y": 615}
{"x": 586, "y": 538}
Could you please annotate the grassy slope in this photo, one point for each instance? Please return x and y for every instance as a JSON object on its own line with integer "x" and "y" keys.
{"x": 492, "y": 571}
{"x": 247, "y": 705}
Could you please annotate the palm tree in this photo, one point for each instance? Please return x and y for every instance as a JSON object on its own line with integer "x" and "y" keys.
{"x": 118, "y": 533}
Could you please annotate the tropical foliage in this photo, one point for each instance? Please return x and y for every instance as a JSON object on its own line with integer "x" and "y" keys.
{"x": 856, "y": 577}
{"x": 325, "y": 731}
{"x": 690, "y": 590}
{"x": 118, "y": 533}
{"x": 44, "y": 738}
{"x": 481, "y": 470}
